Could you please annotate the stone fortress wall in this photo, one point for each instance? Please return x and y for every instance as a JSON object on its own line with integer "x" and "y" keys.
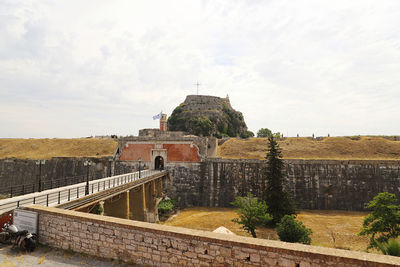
{"x": 315, "y": 184}
{"x": 157, "y": 245}
{"x": 205, "y": 102}
{"x": 16, "y": 172}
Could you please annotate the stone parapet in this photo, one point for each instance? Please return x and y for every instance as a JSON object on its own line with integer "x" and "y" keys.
{"x": 158, "y": 245}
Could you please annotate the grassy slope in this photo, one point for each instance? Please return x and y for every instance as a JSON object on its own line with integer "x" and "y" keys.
{"x": 48, "y": 148}
{"x": 340, "y": 148}
{"x": 343, "y": 225}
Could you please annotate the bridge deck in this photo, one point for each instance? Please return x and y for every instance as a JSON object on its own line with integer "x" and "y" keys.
{"x": 103, "y": 195}
{"x": 69, "y": 193}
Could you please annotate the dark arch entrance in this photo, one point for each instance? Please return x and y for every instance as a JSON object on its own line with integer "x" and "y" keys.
{"x": 159, "y": 163}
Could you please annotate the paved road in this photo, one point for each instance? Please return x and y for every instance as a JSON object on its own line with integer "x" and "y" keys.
{"x": 50, "y": 257}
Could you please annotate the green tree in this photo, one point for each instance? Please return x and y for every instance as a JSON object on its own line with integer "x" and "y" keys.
{"x": 166, "y": 205}
{"x": 278, "y": 200}
{"x": 247, "y": 134}
{"x": 292, "y": 230}
{"x": 392, "y": 247}
{"x": 200, "y": 126}
{"x": 264, "y": 132}
{"x": 98, "y": 209}
{"x": 383, "y": 222}
{"x": 252, "y": 213}
{"x": 277, "y": 136}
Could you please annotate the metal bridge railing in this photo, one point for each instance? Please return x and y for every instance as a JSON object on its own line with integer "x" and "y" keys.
{"x": 67, "y": 193}
{"x": 22, "y": 189}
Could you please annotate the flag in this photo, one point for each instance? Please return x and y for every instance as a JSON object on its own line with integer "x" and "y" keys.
{"x": 158, "y": 116}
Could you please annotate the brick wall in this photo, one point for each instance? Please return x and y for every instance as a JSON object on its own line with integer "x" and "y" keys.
{"x": 136, "y": 151}
{"x": 182, "y": 153}
{"x": 158, "y": 245}
{"x": 202, "y": 144}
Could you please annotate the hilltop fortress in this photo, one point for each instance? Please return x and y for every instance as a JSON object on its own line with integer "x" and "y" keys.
{"x": 208, "y": 116}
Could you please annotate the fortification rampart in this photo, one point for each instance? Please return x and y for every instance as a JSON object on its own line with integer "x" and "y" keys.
{"x": 315, "y": 184}
{"x": 205, "y": 102}
{"x": 17, "y": 172}
{"x": 158, "y": 245}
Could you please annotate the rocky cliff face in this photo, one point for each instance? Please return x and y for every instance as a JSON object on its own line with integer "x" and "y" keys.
{"x": 207, "y": 116}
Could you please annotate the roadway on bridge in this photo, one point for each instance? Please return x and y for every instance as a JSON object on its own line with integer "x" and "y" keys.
{"x": 69, "y": 193}
{"x": 105, "y": 194}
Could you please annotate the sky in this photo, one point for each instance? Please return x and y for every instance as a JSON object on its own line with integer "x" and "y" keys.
{"x": 85, "y": 68}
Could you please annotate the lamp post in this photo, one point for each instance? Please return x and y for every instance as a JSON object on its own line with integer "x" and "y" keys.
{"x": 140, "y": 160}
{"x": 40, "y": 162}
{"x": 87, "y": 163}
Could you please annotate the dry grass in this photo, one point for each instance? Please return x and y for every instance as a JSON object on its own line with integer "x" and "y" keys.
{"x": 327, "y": 226}
{"x": 335, "y": 228}
{"x": 340, "y": 148}
{"x": 48, "y": 148}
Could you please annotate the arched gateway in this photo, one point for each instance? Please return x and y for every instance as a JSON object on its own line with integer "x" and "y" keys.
{"x": 159, "y": 163}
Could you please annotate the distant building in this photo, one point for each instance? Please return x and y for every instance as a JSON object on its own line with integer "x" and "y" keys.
{"x": 159, "y": 148}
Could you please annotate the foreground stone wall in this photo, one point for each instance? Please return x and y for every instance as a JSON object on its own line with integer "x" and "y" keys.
{"x": 315, "y": 184}
{"x": 14, "y": 172}
{"x": 158, "y": 245}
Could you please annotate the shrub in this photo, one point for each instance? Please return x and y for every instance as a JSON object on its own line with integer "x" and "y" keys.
{"x": 252, "y": 213}
{"x": 166, "y": 205}
{"x": 383, "y": 222}
{"x": 246, "y": 134}
{"x": 292, "y": 230}
{"x": 392, "y": 247}
{"x": 264, "y": 132}
{"x": 98, "y": 209}
{"x": 200, "y": 126}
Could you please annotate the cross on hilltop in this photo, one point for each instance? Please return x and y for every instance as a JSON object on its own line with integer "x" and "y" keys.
{"x": 197, "y": 84}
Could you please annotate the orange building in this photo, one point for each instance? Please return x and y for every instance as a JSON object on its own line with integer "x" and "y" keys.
{"x": 165, "y": 150}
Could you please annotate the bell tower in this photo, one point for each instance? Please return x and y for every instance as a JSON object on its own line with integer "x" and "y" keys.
{"x": 163, "y": 123}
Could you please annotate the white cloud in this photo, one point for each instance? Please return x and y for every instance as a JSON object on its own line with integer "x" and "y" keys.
{"x": 102, "y": 67}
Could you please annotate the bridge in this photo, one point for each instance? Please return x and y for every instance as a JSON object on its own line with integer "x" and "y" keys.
{"x": 129, "y": 196}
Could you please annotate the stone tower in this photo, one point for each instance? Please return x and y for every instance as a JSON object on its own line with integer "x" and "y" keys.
{"x": 163, "y": 123}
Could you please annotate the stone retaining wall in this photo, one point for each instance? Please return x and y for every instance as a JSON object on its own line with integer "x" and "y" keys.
{"x": 158, "y": 245}
{"x": 15, "y": 172}
{"x": 315, "y": 184}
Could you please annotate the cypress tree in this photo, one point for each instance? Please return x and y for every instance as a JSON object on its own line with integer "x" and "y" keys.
{"x": 278, "y": 200}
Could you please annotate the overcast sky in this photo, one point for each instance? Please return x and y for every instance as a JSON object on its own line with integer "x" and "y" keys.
{"x": 81, "y": 68}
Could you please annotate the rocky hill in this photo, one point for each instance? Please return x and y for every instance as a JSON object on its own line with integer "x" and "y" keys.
{"x": 208, "y": 116}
